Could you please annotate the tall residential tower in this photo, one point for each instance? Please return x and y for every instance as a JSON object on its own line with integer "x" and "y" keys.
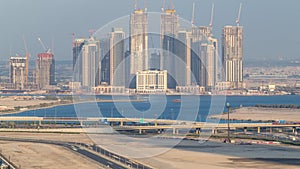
{"x": 138, "y": 41}
{"x": 169, "y": 27}
{"x": 45, "y": 70}
{"x": 232, "y": 48}
{"x": 117, "y": 57}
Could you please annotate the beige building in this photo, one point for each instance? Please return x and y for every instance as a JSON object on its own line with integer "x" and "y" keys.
{"x": 191, "y": 89}
{"x": 151, "y": 81}
{"x": 138, "y": 41}
{"x": 45, "y": 70}
{"x": 233, "y": 55}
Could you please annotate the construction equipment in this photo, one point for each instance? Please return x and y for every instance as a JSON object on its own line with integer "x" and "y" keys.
{"x": 239, "y": 15}
{"x": 193, "y": 15}
{"x": 27, "y": 62}
{"x": 211, "y": 16}
{"x": 47, "y": 50}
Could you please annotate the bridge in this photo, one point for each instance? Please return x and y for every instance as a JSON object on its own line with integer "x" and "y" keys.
{"x": 143, "y": 125}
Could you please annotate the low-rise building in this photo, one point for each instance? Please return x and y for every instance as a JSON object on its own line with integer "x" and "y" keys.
{"x": 151, "y": 81}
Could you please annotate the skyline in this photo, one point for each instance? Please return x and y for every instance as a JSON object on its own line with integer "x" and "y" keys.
{"x": 60, "y": 24}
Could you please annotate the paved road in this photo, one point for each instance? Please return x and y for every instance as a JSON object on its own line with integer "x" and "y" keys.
{"x": 94, "y": 157}
{"x": 72, "y": 147}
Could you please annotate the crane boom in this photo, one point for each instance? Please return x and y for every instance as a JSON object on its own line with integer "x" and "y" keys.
{"x": 43, "y": 45}
{"x": 239, "y": 15}
{"x": 193, "y": 15}
{"x": 212, "y": 16}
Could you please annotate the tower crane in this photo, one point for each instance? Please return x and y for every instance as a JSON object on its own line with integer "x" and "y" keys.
{"x": 27, "y": 62}
{"x": 211, "y": 16}
{"x": 193, "y": 15}
{"x": 239, "y": 15}
{"x": 47, "y": 50}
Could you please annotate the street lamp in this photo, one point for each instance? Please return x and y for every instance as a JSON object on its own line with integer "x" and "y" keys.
{"x": 228, "y": 136}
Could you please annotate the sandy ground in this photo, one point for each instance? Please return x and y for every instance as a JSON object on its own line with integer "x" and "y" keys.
{"x": 43, "y": 156}
{"x": 255, "y": 113}
{"x": 10, "y": 103}
{"x": 186, "y": 154}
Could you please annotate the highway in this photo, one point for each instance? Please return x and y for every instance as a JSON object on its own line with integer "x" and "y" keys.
{"x": 114, "y": 162}
{"x": 97, "y": 158}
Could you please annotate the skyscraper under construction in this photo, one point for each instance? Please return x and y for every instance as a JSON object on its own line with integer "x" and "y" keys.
{"x": 169, "y": 27}
{"x": 45, "y": 70}
{"x": 232, "y": 47}
{"x": 17, "y": 71}
{"x": 138, "y": 41}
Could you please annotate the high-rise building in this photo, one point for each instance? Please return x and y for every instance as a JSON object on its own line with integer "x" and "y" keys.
{"x": 183, "y": 52}
{"x": 204, "y": 57}
{"x": 45, "y": 70}
{"x": 232, "y": 51}
{"x": 154, "y": 60}
{"x": 169, "y": 26}
{"x": 105, "y": 60}
{"x": 117, "y": 57}
{"x": 17, "y": 71}
{"x": 91, "y": 63}
{"x": 138, "y": 41}
{"x": 209, "y": 59}
{"x": 77, "y": 47}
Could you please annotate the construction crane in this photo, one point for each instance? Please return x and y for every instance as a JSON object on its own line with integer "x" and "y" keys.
{"x": 211, "y": 16}
{"x": 239, "y": 15}
{"x": 47, "y": 50}
{"x": 193, "y": 15}
{"x": 163, "y": 6}
{"x": 27, "y": 62}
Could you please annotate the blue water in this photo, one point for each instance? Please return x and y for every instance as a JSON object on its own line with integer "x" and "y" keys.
{"x": 162, "y": 107}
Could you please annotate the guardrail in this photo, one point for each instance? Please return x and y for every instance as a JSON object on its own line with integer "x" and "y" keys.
{"x": 7, "y": 162}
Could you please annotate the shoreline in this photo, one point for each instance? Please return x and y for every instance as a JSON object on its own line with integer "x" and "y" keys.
{"x": 65, "y": 104}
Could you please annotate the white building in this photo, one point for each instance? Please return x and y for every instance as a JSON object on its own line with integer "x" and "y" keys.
{"x": 17, "y": 71}
{"x": 90, "y": 63}
{"x": 151, "y": 81}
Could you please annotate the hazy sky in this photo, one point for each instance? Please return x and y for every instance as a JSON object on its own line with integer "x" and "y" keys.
{"x": 271, "y": 27}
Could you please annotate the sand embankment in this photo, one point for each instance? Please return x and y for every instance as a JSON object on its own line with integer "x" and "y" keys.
{"x": 264, "y": 114}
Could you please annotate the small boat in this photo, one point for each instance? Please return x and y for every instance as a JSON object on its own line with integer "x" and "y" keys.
{"x": 176, "y": 100}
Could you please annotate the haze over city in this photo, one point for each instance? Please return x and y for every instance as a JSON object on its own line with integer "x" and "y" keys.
{"x": 149, "y": 84}
{"x": 264, "y": 23}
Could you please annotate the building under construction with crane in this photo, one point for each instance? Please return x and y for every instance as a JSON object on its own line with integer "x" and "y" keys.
{"x": 45, "y": 68}
{"x": 232, "y": 50}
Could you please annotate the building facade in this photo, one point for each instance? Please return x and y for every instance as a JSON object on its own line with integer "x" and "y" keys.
{"x": 151, "y": 81}
{"x": 77, "y": 48}
{"x": 17, "y": 72}
{"x": 91, "y": 63}
{"x": 232, "y": 51}
{"x": 45, "y": 70}
{"x": 138, "y": 41}
{"x": 204, "y": 57}
{"x": 169, "y": 27}
{"x": 117, "y": 57}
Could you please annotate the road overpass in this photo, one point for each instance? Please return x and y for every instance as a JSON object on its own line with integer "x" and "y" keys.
{"x": 143, "y": 125}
